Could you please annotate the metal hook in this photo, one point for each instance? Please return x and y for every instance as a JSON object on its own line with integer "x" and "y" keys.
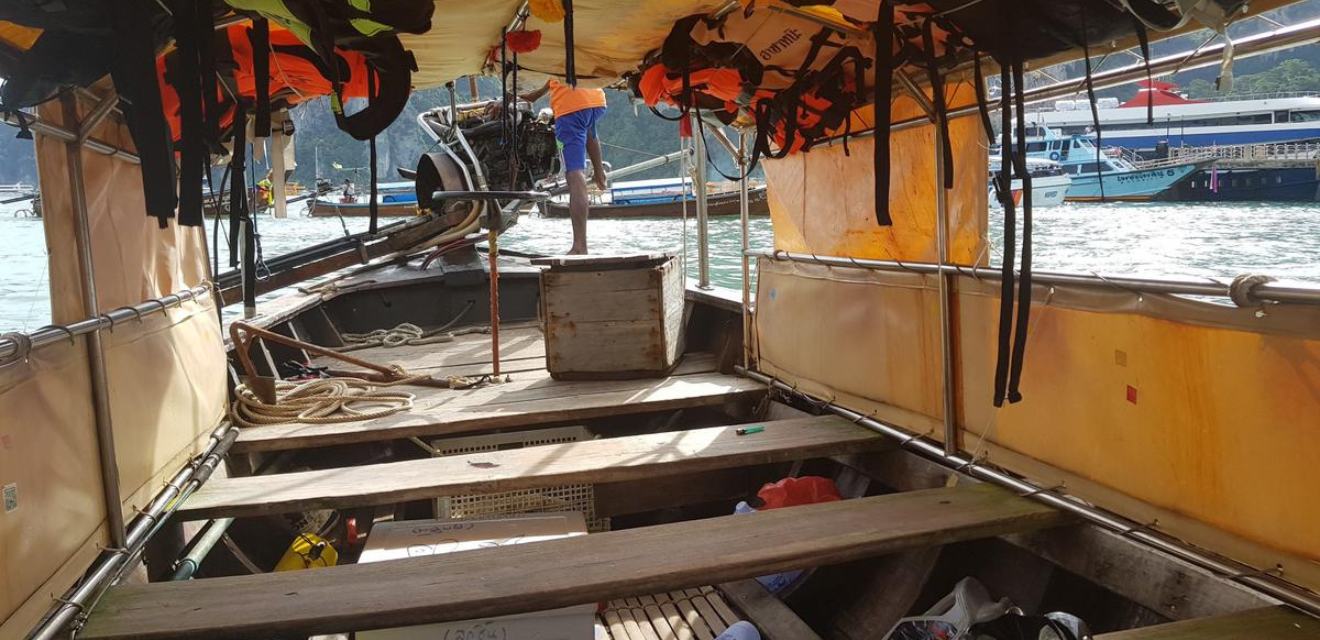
{"x": 1149, "y": 526}
{"x": 137, "y": 313}
{"x": 73, "y": 337}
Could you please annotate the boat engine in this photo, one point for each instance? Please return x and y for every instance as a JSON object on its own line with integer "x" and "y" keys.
{"x": 476, "y": 155}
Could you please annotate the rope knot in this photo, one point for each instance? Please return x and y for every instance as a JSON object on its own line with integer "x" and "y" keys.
{"x": 22, "y": 347}
{"x": 1242, "y": 291}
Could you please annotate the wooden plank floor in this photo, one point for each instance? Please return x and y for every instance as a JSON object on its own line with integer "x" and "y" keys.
{"x": 558, "y": 573}
{"x": 593, "y": 461}
{"x": 1267, "y": 623}
{"x": 532, "y": 398}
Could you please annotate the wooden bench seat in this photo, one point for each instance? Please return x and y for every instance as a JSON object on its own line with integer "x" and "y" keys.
{"x": 593, "y": 461}
{"x": 1266, "y": 623}
{"x": 558, "y": 573}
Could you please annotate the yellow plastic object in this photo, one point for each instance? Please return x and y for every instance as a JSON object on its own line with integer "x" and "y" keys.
{"x": 308, "y": 551}
{"x": 18, "y": 36}
{"x": 547, "y": 10}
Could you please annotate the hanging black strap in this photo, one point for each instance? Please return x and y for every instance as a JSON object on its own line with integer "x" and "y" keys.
{"x": 188, "y": 84}
{"x": 1024, "y": 271}
{"x": 570, "y": 63}
{"x": 134, "y": 73}
{"x": 1006, "y": 198}
{"x": 937, "y": 97}
{"x": 372, "y": 206}
{"x": 710, "y": 160}
{"x": 238, "y": 180}
{"x": 883, "y": 33}
{"x": 1144, "y": 39}
{"x": 515, "y": 156}
{"x": 206, "y": 58}
{"x": 259, "y": 34}
{"x": 982, "y": 107}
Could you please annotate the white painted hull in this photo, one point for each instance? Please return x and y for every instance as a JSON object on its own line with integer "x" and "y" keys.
{"x": 1047, "y": 191}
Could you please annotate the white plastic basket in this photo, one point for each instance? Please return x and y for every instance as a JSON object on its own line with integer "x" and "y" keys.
{"x": 575, "y": 497}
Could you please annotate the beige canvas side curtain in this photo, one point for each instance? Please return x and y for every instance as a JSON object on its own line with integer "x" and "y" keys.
{"x": 18, "y": 346}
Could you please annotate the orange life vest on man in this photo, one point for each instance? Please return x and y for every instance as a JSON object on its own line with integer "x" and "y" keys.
{"x": 564, "y": 99}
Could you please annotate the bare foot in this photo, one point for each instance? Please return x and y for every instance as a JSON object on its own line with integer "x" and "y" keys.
{"x": 575, "y": 251}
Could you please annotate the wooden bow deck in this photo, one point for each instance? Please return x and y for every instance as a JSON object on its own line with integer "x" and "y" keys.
{"x": 532, "y": 398}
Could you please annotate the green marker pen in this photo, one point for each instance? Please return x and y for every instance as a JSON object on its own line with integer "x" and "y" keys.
{"x": 746, "y": 431}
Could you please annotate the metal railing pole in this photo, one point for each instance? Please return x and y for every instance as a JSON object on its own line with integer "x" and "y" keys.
{"x": 105, "y": 435}
{"x": 744, "y": 212}
{"x": 703, "y": 211}
{"x": 946, "y": 322}
{"x": 1292, "y": 294}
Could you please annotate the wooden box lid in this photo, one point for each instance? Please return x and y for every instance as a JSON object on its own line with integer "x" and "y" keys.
{"x": 603, "y": 263}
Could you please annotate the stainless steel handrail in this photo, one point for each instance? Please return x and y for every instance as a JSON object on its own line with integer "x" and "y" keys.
{"x": 1265, "y": 292}
{"x": 11, "y": 348}
{"x": 78, "y": 601}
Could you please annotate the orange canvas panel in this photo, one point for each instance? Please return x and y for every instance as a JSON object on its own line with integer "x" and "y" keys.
{"x": 1219, "y": 424}
{"x": 1204, "y": 415}
{"x": 823, "y": 201}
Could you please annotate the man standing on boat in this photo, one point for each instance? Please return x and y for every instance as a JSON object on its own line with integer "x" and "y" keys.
{"x": 576, "y": 113}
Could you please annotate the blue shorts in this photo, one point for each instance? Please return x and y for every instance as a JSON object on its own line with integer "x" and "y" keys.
{"x": 572, "y": 130}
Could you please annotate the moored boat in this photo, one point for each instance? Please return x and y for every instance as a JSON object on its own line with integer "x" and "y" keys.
{"x": 662, "y": 199}
{"x": 1049, "y": 183}
{"x": 388, "y": 207}
{"x": 1098, "y": 176}
{"x": 1182, "y": 122}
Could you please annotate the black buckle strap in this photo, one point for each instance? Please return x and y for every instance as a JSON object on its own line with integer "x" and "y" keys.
{"x": 883, "y": 33}
{"x": 937, "y": 95}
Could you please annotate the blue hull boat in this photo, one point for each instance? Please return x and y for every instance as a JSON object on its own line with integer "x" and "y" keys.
{"x": 1134, "y": 184}
{"x": 1097, "y": 176}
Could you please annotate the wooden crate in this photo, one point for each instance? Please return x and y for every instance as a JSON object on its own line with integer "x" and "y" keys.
{"x": 612, "y": 317}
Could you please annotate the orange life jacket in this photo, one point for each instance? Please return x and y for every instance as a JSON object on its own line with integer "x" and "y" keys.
{"x": 296, "y": 73}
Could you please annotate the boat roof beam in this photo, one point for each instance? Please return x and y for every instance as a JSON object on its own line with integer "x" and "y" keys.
{"x": 1259, "y": 44}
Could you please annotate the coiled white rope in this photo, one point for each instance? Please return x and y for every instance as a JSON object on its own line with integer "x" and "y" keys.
{"x": 321, "y": 401}
{"x": 404, "y": 334}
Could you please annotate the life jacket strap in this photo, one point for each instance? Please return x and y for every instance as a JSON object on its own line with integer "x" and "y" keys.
{"x": 883, "y": 33}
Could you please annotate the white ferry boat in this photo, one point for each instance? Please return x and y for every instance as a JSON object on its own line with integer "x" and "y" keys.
{"x": 1179, "y": 122}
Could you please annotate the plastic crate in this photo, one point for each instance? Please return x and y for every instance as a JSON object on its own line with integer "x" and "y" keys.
{"x": 573, "y": 497}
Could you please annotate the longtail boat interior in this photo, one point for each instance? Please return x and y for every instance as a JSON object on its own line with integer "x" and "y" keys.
{"x": 411, "y": 433}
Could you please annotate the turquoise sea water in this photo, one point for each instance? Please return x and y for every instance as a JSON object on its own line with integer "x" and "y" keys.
{"x": 1163, "y": 239}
